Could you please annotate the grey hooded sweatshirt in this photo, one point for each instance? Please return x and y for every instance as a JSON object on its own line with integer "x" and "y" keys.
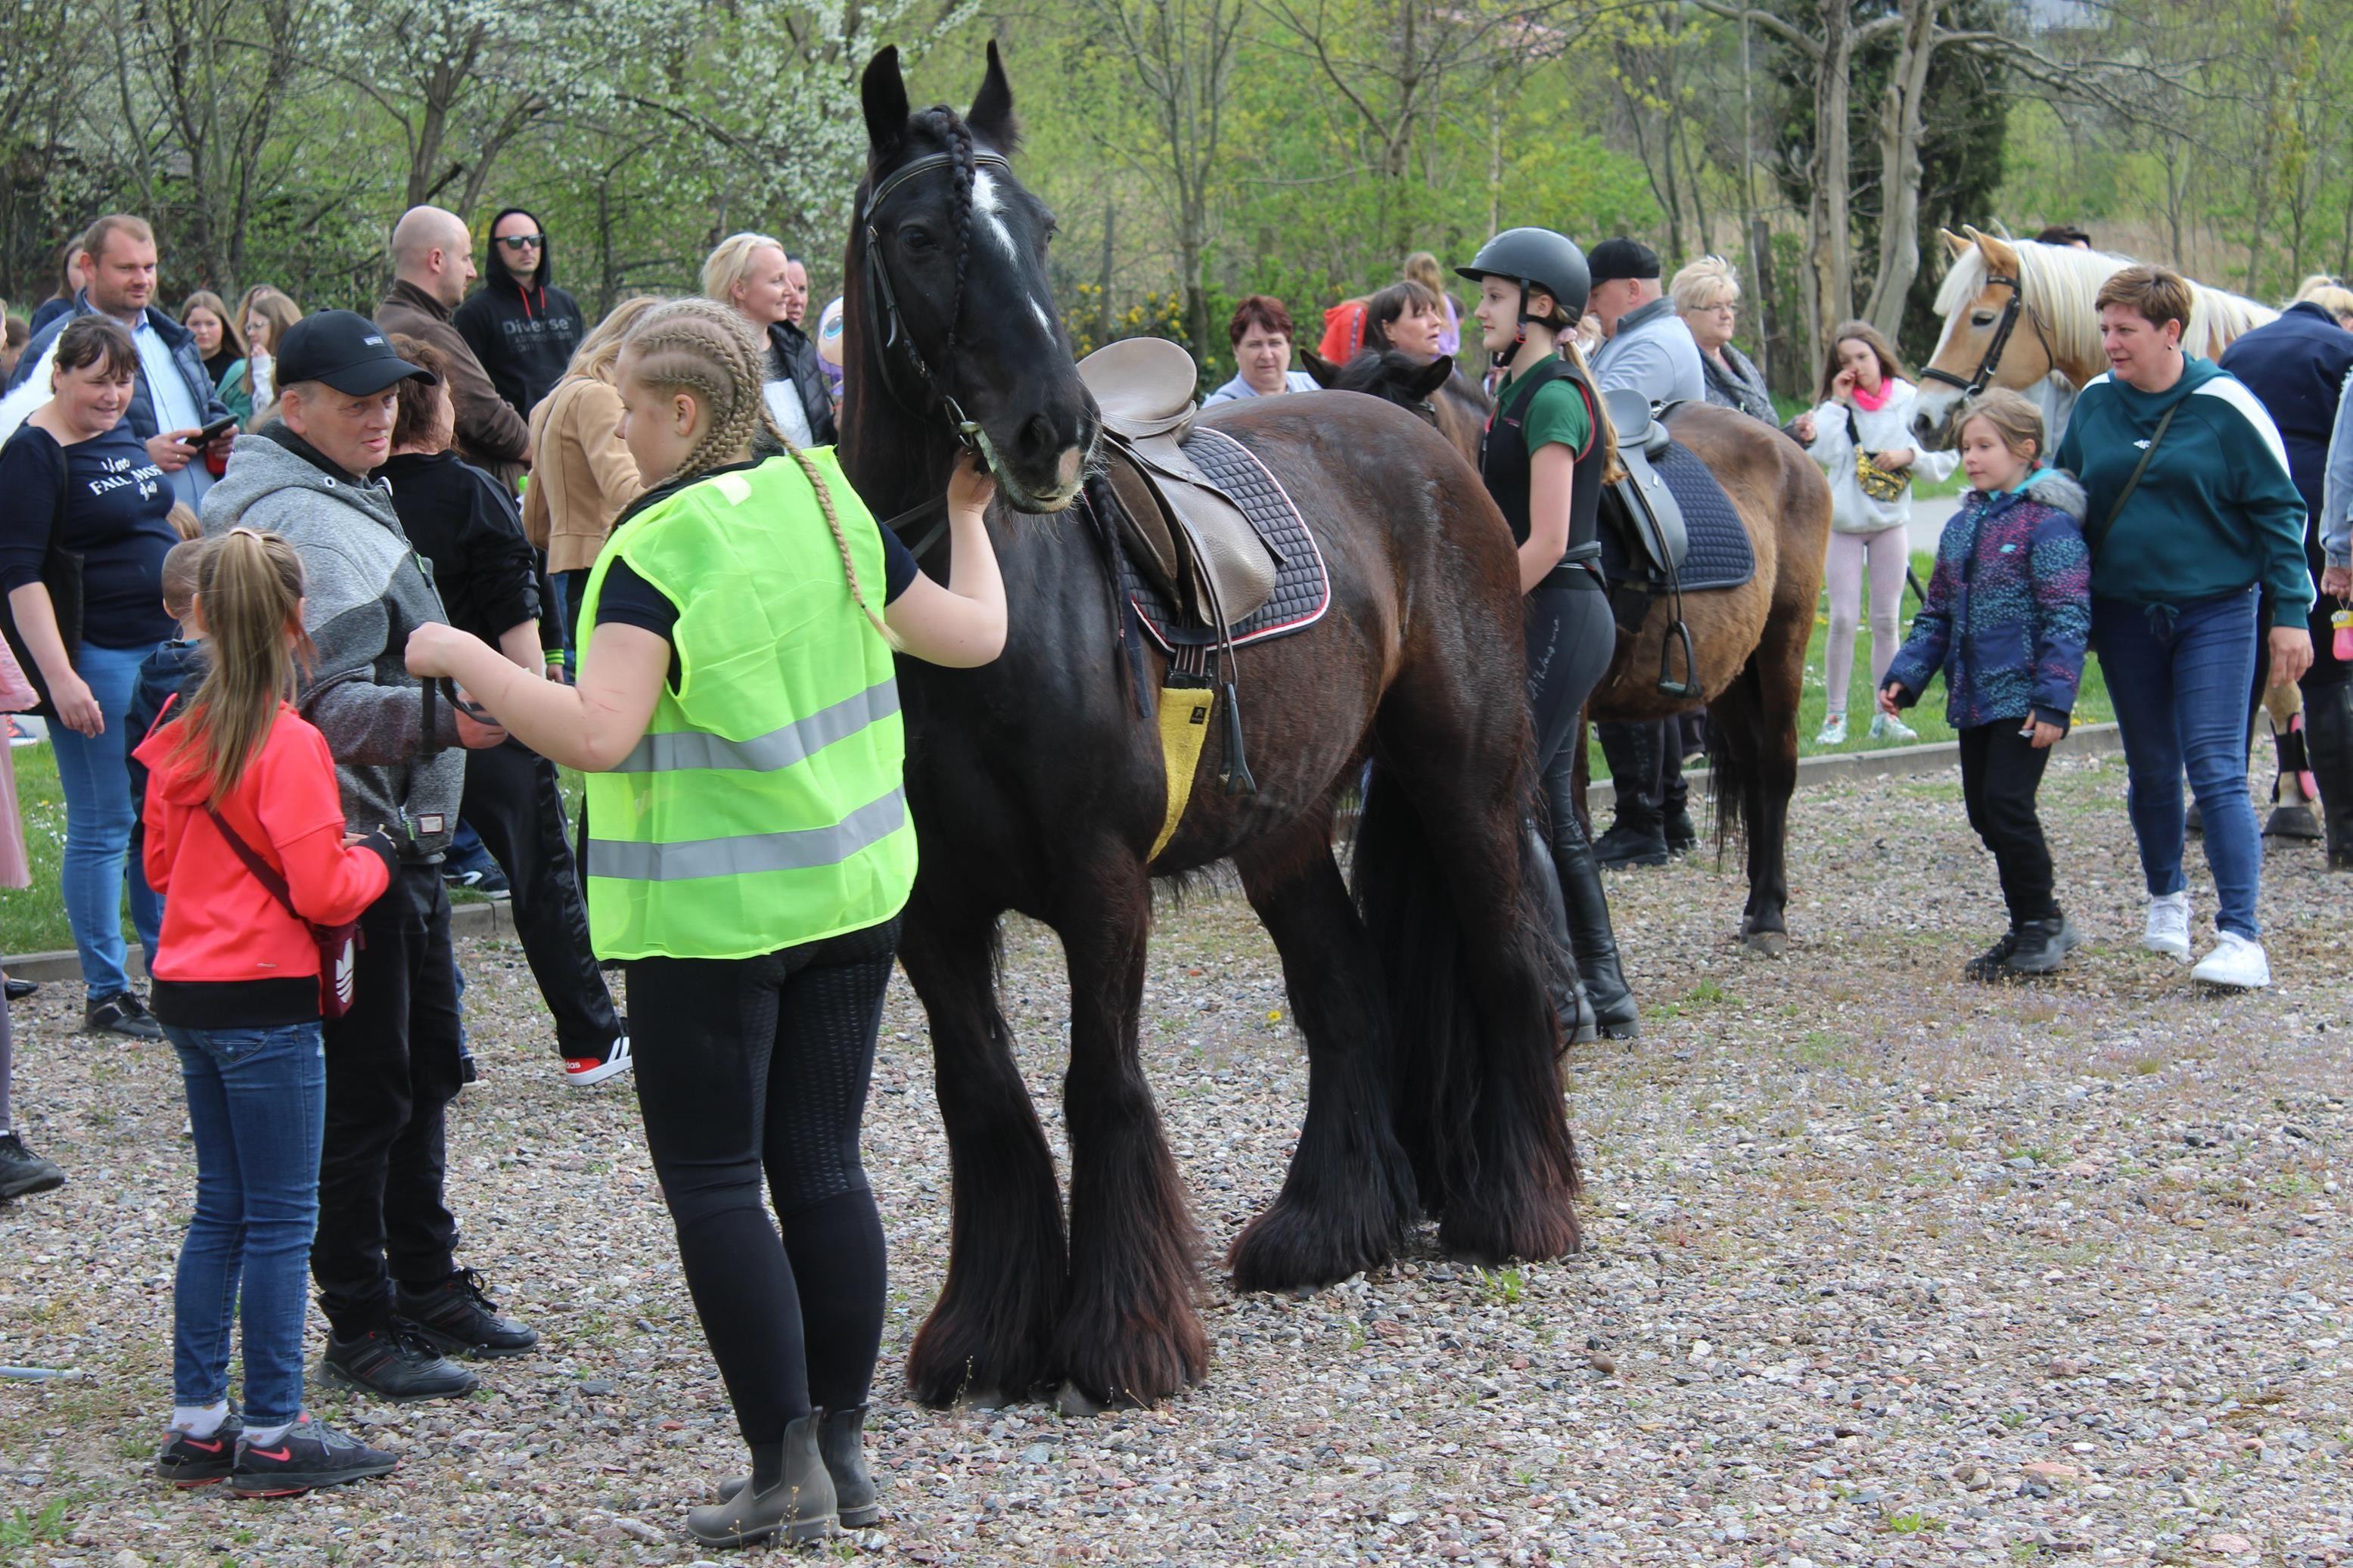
{"x": 364, "y": 591}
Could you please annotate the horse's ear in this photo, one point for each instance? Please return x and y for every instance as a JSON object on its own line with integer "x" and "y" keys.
{"x": 884, "y": 91}
{"x": 1430, "y": 377}
{"x": 1326, "y": 372}
{"x": 2001, "y": 254}
{"x": 992, "y": 110}
{"x": 1954, "y": 243}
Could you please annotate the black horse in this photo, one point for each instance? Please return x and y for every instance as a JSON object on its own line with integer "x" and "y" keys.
{"x": 1036, "y": 786}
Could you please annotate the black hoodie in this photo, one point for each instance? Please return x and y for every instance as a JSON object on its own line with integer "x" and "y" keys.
{"x": 524, "y": 337}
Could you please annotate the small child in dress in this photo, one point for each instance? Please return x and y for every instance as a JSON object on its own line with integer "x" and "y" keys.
{"x": 2008, "y": 613}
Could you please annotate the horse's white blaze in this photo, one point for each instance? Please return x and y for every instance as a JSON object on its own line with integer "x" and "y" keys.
{"x": 1044, "y": 320}
{"x": 990, "y": 206}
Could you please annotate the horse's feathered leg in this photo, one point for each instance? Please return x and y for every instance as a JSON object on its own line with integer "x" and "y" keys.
{"x": 988, "y": 1336}
{"x": 1349, "y": 1196}
{"x": 1129, "y": 1332}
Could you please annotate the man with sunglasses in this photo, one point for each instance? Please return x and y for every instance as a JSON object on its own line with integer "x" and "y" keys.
{"x": 520, "y": 325}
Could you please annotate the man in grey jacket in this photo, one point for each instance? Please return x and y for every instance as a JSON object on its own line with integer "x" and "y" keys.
{"x": 1647, "y": 346}
{"x": 394, "y": 1295}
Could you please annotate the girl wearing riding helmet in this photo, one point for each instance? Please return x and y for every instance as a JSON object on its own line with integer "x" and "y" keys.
{"x": 1545, "y": 453}
{"x": 738, "y": 720}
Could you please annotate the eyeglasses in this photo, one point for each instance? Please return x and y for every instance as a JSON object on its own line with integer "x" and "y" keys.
{"x": 522, "y": 241}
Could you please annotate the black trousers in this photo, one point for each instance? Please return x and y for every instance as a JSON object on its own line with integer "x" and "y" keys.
{"x": 1646, "y": 767}
{"x": 513, "y": 801}
{"x": 756, "y": 1069}
{"x": 2001, "y": 773}
{"x": 392, "y": 1068}
{"x": 1570, "y": 637}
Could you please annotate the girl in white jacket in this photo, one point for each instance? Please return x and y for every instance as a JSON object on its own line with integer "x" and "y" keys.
{"x": 1866, "y": 408}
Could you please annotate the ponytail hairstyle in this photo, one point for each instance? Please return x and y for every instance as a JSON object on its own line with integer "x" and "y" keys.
{"x": 709, "y": 352}
{"x": 1612, "y": 470}
{"x": 250, "y": 594}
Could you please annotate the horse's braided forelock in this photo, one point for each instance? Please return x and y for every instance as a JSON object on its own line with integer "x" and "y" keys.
{"x": 959, "y": 139}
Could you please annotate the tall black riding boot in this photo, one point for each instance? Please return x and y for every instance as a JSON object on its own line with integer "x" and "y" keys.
{"x": 1638, "y": 837}
{"x": 1588, "y": 908}
{"x": 1674, "y": 790}
{"x": 1570, "y": 1001}
{"x": 2328, "y": 742}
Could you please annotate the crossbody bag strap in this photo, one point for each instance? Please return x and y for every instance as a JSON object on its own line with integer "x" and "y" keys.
{"x": 2093, "y": 542}
{"x": 263, "y": 871}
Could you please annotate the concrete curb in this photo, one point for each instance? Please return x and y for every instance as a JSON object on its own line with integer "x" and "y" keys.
{"x": 1894, "y": 762}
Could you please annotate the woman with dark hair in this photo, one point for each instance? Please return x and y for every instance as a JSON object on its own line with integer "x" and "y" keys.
{"x": 2193, "y": 519}
{"x": 75, "y": 475}
{"x": 1261, "y": 333}
{"x": 1861, "y": 435}
{"x": 1408, "y": 317}
{"x": 218, "y": 341}
{"x": 71, "y": 283}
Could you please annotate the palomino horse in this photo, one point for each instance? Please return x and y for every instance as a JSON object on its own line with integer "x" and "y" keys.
{"x": 1038, "y": 784}
{"x": 2016, "y": 310}
{"x": 1749, "y": 642}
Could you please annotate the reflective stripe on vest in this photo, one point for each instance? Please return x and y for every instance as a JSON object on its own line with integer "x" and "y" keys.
{"x": 748, "y": 854}
{"x": 779, "y": 748}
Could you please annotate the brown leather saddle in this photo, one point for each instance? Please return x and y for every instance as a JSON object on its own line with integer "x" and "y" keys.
{"x": 1189, "y": 535}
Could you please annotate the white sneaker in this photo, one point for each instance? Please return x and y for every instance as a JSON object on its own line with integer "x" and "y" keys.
{"x": 1883, "y": 728}
{"x": 2235, "y": 963}
{"x": 1834, "y": 732}
{"x": 2167, "y": 931}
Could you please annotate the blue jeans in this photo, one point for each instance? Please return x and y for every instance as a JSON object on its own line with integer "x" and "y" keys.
{"x": 257, "y": 1100}
{"x": 2178, "y": 676}
{"x": 98, "y": 814}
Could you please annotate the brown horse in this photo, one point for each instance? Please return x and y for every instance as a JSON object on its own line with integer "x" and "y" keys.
{"x": 1037, "y": 783}
{"x": 1749, "y": 641}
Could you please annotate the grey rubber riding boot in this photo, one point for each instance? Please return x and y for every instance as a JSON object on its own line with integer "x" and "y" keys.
{"x": 2328, "y": 742}
{"x": 800, "y": 1507}
{"x": 843, "y": 1443}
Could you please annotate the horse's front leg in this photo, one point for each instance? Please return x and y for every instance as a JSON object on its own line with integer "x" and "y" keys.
{"x": 1129, "y": 1331}
{"x": 989, "y": 1334}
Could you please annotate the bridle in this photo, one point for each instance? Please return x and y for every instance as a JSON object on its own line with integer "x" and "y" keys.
{"x": 1983, "y": 377}
{"x": 878, "y": 279}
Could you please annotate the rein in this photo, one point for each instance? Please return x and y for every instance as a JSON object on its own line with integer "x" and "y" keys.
{"x": 878, "y": 276}
{"x": 1978, "y": 382}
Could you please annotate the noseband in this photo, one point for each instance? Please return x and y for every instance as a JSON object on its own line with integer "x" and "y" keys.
{"x": 895, "y": 336}
{"x": 2002, "y": 329}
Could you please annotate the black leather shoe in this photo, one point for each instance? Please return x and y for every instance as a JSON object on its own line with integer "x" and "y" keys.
{"x": 396, "y": 1365}
{"x": 1987, "y": 965}
{"x": 457, "y": 1317}
{"x": 2043, "y": 947}
{"x": 1625, "y": 845}
{"x": 19, "y": 989}
{"x": 1586, "y": 908}
{"x": 122, "y": 1014}
{"x": 1681, "y": 834}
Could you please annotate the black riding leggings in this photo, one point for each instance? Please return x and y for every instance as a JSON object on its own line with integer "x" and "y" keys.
{"x": 1570, "y": 639}
{"x": 756, "y": 1068}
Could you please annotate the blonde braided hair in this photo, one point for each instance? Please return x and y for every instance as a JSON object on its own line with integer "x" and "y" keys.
{"x": 709, "y": 352}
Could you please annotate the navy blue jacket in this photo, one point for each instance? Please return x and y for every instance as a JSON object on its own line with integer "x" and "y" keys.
{"x": 177, "y": 338}
{"x": 2296, "y": 367}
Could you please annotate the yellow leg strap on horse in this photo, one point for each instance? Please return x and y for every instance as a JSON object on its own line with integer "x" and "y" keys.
{"x": 1184, "y": 725}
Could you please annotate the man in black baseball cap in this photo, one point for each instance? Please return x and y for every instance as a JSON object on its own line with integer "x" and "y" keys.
{"x": 383, "y": 1254}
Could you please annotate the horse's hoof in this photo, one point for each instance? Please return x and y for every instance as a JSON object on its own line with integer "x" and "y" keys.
{"x": 1071, "y": 1400}
{"x": 982, "y": 1399}
{"x": 2292, "y": 822}
{"x": 1766, "y": 943}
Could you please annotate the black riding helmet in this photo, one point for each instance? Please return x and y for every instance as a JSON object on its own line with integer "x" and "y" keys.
{"x": 1536, "y": 258}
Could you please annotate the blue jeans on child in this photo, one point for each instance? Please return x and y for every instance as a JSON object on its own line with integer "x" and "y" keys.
{"x": 2178, "y": 676}
{"x": 100, "y": 811}
{"x": 257, "y": 1100}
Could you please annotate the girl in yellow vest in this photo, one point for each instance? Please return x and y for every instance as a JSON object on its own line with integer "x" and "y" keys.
{"x": 749, "y": 853}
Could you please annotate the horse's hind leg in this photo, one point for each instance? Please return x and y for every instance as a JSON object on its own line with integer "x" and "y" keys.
{"x": 988, "y": 1336}
{"x": 1459, "y": 937}
{"x": 1129, "y": 1331}
{"x": 1753, "y": 728}
{"x": 1349, "y": 1196}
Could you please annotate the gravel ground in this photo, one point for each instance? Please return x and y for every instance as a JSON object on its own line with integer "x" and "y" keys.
{"x": 1883, "y": 1268}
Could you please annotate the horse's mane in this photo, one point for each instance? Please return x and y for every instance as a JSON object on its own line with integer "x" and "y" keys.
{"x": 2060, "y": 283}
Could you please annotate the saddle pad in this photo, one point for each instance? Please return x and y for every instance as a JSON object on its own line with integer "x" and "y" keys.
{"x": 1719, "y": 555}
{"x": 1302, "y": 587}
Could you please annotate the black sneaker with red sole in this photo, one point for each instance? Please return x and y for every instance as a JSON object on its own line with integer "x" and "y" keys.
{"x": 187, "y": 1462}
{"x": 307, "y": 1455}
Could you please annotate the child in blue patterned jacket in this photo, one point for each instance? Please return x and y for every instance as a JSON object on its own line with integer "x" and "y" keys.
{"x": 2008, "y": 613}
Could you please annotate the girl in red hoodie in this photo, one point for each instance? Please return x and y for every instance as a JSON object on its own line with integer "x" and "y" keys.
{"x": 237, "y": 991}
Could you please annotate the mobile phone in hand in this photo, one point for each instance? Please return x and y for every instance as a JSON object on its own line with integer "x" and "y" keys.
{"x": 214, "y": 431}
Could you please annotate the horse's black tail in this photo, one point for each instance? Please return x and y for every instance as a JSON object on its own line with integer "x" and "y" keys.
{"x": 1474, "y": 1042}
{"x": 1735, "y": 743}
